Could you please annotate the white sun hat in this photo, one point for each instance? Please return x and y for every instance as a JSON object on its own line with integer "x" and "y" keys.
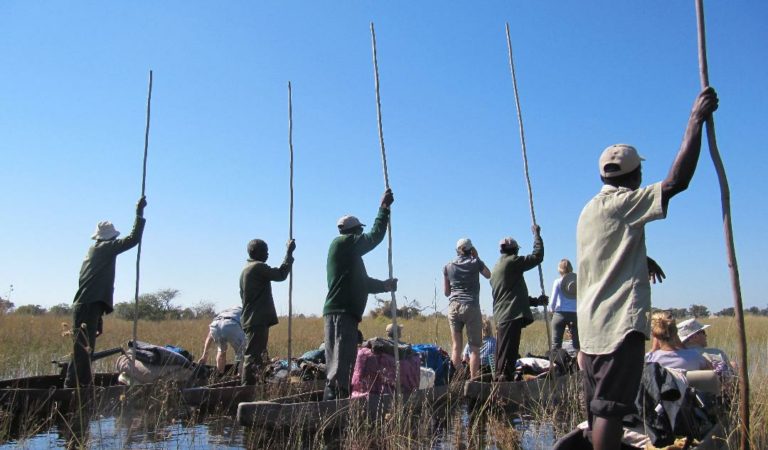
{"x": 105, "y": 231}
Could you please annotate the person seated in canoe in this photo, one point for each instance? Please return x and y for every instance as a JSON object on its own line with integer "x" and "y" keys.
{"x": 225, "y": 330}
{"x": 259, "y": 313}
{"x": 390, "y": 331}
{"x": 461, "y": 284}
{"x": 94, "y": 296}
{"x": 348, "y": 289}
{"x": 511, "y": 303}
{"x": 693, "y": 336}
{"x": 666, "y": 348}
{"x": 487, "y": 350}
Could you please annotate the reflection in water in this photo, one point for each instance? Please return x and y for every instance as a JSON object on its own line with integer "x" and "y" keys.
{"x": 453, "y": 427}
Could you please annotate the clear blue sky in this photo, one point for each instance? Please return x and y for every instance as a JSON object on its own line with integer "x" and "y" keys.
{"x": 590, "y": 74}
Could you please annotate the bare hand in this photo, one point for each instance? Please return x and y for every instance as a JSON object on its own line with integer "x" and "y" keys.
{"x": 473, "y": 252}
{"x": 536, "y": 230}
{"x": 706, "y": 103}
{"x": 654, "y": 272}
{"x": 387, "y": 199}
{"x": 291, "y": 245}
{"x": 140, "y": 205}
{"x": 203, "y": 359}
{"x": 390, "y": 285}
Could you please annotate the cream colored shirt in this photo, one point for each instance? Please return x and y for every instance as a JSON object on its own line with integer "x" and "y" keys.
{"x": 614, "y": 290}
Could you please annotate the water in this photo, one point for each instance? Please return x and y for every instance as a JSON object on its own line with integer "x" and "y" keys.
{"x": 141, "y": 430}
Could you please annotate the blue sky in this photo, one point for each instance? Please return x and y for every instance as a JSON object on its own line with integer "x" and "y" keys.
{"x": 590, "y": 74}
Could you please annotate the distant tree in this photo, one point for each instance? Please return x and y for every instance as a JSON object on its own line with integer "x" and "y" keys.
{"x": 204, "y": 309}
{"x": 409, "y": 309}
{"x": 62, "y": 309}
{"x": 698, "y": 311}
{"x": 30, "y": 310}
{"x": 6, "y": 306}
{"x": 153, "y": 306}
{"x": 754, "y": 310}
{"x": 727, "y": 312}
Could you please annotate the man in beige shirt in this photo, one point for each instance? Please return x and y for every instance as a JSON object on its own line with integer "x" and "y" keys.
{"x": 614, "y": 274}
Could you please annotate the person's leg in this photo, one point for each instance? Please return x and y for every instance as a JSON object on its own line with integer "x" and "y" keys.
{"x": 473, "y": 318}
{"x": 255, "y": 348}
{"x": 558, "y": 329}
{"x": 84, "y": 324}
{"x": 508, "y": 348}
{"x": 616, "y": 380}
{"x": 331, "y": 357}
{"x": 221, "y": 359}
{"x": 574, "y": 327}
{"x": 347, "y": 353}
{"x": 456, "y": 325}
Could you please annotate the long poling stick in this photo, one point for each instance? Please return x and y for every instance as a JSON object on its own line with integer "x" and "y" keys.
{"x": 393, "y": 302}
{"x": 143, "y": 190}
{"x": 290, "y": 225}
{"x": 725, "y": 199}
{"x": 527, "y": 176}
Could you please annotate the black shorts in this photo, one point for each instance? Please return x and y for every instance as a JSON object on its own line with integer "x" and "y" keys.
{"x": 611, "y": 381}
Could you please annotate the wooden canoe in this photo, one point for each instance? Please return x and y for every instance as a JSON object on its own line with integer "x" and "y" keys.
{"x": 227, "y": 395}
{"x": 536, "y": 390}
{"x": 310, "y": 412}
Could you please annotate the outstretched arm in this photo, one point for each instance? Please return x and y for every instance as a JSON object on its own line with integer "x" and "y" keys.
{"x": 681, "y": 172}
{"x": 204, "y": 356}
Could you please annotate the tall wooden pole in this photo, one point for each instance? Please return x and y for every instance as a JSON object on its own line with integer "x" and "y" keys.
{"x": 725, "y": 200}
{"x": 393, "y": 302}
{"x": 527, "y": 176}
{"x": 290, "y": 227}
{"x": 143, "y": 191}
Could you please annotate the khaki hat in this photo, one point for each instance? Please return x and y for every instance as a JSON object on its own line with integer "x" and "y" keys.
{"x": 389, "y": 327}
{"x": 105, "y": 231}
{"x": 688, "y": 328}
{"x": 348, "y": 222}
{"x": 568, "y": 285}
{"x": 464, "y": 245}
{"x": 623, "y": 155}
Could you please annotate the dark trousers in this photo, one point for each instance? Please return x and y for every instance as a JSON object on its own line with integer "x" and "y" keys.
{"x": 256, "y": 338}
{"x": 559, "y": 320}
{"x": 340, "y": 354}
{"x": 508, "y": 348}
{"x": 84, "y": 324}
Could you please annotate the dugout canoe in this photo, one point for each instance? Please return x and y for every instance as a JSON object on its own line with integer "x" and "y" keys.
{"x": 227, "y": 395}
{"x": 537, "y": 390}
{"x": 309, "y": 412}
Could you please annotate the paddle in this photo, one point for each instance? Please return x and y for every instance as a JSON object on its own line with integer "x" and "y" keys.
{"x": 393, "y": 302}
{"x": 728, "y": 230}
{"x": 143, "y": 190}
{"x": 290, "y": 223}
{"x": 527, "y": 175}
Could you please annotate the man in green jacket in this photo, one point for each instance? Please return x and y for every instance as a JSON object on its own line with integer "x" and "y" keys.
{"x": 511, "y": 303}
{"x": 94, "y": 296}
{"x": 258, "y": 305}
{"x": 348, "y": 289}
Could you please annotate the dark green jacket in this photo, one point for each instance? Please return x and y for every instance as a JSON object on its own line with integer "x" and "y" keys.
{"x": 348, "y": 282}
{"x": 510, "y": 293}
{"x": 256, "y": 292}
{"x": 97, "y": 274}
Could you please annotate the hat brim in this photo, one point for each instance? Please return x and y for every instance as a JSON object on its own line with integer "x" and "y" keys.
{"x": 106, "y": 237}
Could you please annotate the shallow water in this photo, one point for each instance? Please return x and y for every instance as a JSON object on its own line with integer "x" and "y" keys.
{"x": 138, "y": 431}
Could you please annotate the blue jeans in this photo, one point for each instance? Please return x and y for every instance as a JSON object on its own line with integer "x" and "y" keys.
{"x": 559, "y": 320}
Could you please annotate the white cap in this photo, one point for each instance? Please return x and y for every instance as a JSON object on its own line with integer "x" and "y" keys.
{"x": 105, "y": 231}
{"x": 623, "y": 155}
{"x": 464, "y": 245}
{"x": 348, "y": 222}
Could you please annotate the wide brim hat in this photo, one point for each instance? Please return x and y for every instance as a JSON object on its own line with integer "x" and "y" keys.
{"x": 568, "y": 285}
{"x": 105, "y": 231}
{"x": 688, "y": 328}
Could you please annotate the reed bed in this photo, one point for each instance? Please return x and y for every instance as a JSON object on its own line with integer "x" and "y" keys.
{"x": 30, "y": 342}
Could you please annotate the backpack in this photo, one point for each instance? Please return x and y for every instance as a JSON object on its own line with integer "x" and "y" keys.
{"x": 434, "y": 357}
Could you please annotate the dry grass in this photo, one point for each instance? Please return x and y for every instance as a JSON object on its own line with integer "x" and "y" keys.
{"x": 30, "y": 342}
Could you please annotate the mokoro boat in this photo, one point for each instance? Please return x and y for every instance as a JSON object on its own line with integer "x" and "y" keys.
{"x": 227, "y": 395}
{"x": 539, "y": 390}
{"x": 310, "y": 412}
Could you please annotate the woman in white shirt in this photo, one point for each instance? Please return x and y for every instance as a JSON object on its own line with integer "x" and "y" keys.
{"x": 563, "y": 306}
